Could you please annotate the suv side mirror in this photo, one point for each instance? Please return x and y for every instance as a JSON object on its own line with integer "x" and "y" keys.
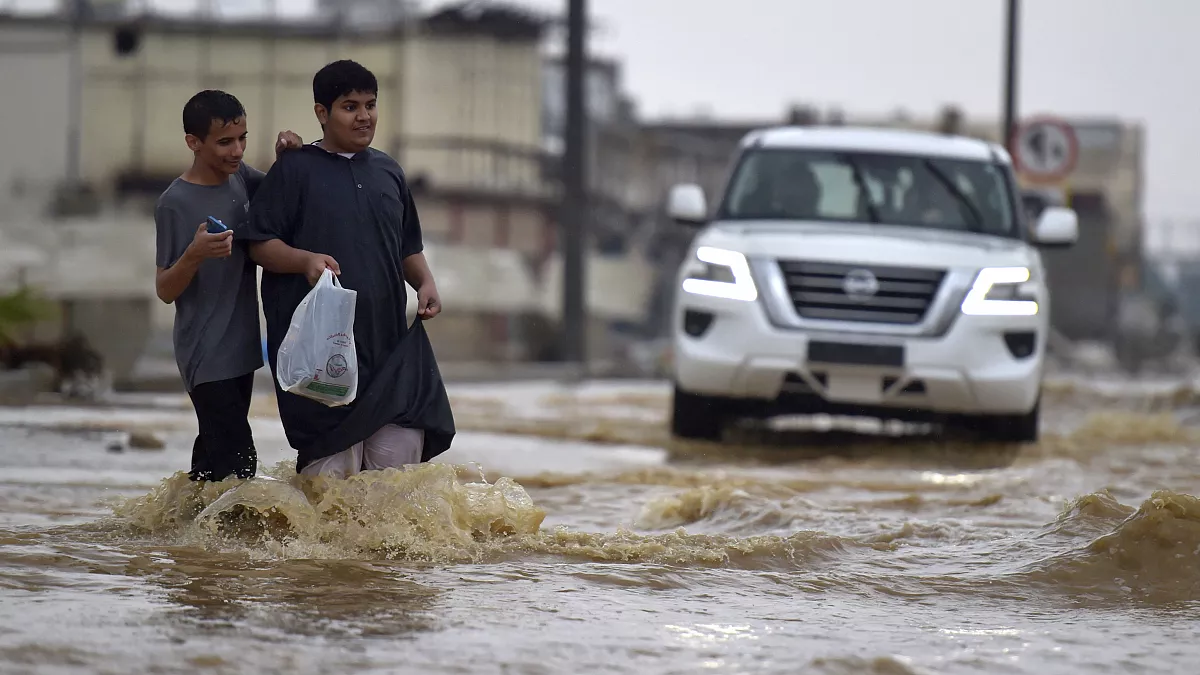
{"x": 1057, "y": 226}
{"x": 686, "y": 204}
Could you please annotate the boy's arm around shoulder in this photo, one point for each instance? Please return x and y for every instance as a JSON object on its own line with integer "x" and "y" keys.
{"x": 274, "y": 212}
{"x": 252, "y": 177}
{"x": 177, "y": 258}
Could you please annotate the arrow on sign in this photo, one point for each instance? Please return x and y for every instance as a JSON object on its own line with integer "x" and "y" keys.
{"x": 1043, "y": 151}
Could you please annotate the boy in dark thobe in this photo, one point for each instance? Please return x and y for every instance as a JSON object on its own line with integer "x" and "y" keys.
{"x": 212, "y": 282}
{"x": 339, "y": 204}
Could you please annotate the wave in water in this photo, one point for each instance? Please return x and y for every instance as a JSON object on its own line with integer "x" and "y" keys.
{"x": 1151, "y": 553}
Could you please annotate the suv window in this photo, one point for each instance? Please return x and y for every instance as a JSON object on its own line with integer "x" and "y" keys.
{"x": 951, "y": 194}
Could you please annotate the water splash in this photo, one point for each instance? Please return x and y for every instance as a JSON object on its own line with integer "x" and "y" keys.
{"x": 425, "y": 513}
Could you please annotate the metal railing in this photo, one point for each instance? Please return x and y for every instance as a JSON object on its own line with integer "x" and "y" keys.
{"x": 479, "y": 165}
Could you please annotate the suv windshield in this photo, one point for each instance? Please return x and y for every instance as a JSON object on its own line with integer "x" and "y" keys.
{"x": 934, "y": 192}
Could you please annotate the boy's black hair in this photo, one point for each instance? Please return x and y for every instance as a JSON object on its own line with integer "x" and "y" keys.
{"x": 209, "y": 105}
{"x": 341, "y": 78}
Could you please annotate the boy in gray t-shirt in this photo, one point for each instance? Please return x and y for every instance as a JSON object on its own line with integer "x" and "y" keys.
{"x": 213, "y": 283}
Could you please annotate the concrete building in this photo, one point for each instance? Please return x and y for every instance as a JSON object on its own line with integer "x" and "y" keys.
{"x": 461, "y": 107}
{"x": 460, "y": 99}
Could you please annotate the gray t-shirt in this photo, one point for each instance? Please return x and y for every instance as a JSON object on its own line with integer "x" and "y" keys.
{"x": 217, "y": 333}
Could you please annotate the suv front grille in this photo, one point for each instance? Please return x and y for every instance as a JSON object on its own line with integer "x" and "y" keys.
{"x": 901, "y": 295}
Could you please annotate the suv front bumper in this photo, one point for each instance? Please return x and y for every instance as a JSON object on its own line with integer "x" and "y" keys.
{"x": 976, "y": 365}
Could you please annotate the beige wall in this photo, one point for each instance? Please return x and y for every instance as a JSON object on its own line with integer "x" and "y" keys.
{"x": 474, "y": 88}
{"x": 522, "y": 227}
{"x": 460, "y": 112}
{"x": 33, "y": 76}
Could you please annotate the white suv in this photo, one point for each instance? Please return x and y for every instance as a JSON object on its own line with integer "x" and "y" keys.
{"x": 864, "y": 272}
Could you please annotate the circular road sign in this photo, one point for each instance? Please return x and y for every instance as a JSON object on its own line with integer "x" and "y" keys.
{"x": 1045, "y": 149}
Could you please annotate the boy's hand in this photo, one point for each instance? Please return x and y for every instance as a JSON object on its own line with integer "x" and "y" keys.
{"x": 287, "y": 140}
{"x": 205, "y": 246}
{"x": 429, "y": 304}
{"x": 316, "y": 266}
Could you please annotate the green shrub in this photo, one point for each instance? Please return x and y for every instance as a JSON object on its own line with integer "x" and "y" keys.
{"x": 21, "y": 309}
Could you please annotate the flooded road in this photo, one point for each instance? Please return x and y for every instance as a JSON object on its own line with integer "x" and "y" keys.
{"x": 565, "y": 533}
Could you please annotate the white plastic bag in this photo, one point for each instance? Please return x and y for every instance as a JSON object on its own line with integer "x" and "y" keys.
{"x": 317, "y": 359}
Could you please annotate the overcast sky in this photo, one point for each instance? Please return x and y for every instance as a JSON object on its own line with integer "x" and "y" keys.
{"x": 1134, "y": 59}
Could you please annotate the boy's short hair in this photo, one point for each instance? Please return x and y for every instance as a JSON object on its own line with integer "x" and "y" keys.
{"x": 341, "y": 78}
{"x": 209, "y": 105}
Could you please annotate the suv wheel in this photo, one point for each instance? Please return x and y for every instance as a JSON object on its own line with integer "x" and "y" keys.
{"x": 1007, "y": 428}
{"x": 696, "y": 417}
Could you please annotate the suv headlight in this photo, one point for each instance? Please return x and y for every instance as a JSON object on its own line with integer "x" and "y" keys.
{"x": 724, "y": 274}
{"x": 1001, "y": 291}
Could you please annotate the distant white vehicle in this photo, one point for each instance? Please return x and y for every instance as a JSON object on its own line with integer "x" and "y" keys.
{"x": 866, "y": 272}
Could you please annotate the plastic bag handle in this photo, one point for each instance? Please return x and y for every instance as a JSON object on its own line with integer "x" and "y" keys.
{"x": 331, "y": 277}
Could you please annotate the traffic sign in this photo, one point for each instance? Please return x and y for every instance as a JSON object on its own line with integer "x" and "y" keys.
{"x": 1045, "y": 149}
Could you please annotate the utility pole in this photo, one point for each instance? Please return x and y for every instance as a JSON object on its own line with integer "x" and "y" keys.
{"x": 75, "y": 96}
{"x": 574, "y": 216}
{"x": 1010, "y": 74}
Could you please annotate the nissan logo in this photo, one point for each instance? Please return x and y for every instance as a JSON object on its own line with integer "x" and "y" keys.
{"x": 860, "y": 284}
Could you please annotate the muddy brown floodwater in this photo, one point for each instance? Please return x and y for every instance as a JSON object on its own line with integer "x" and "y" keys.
{"x": 565, "y": 533}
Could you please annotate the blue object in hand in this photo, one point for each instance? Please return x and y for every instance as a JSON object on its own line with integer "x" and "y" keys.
{"x": 215, "y": 226}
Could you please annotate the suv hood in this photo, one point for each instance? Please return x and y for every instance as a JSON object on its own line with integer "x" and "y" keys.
{"x": 868, "y": 244}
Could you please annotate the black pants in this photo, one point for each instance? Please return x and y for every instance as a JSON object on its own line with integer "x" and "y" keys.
{"x": 225, "y": 446}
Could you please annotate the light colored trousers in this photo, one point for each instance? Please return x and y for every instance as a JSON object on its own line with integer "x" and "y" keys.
{"x": 390, "y": 447}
